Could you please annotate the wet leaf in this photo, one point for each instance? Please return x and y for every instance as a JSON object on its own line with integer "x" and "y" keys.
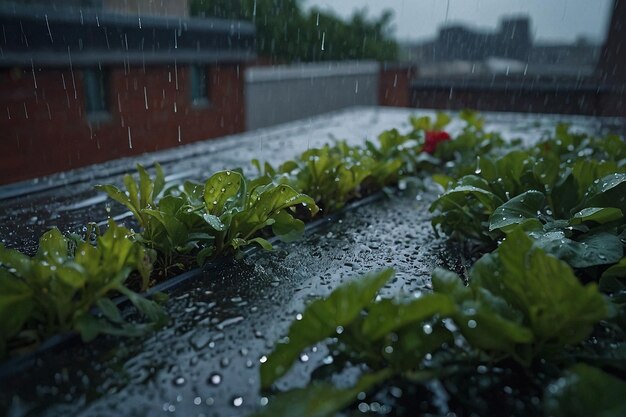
{"x": 585, "y": 391}
{"x": 520, "y": 210}
{"x": 599, "y": 215}
{"x": 320, "y": 320}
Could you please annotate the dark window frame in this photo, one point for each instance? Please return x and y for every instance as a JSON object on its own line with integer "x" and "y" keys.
{"x": 199, "y": 85}
{"x": 96, "y": 93}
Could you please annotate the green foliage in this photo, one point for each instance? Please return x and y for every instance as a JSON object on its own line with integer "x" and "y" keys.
{"x": 221, "y": 216}
{"x": 236, "y": 210}
{"x": 54, "y": 291}
{"x": 320, "y": 320}
{"x": 585, "y": 391}
{"x": 522, "y": 304}
{"x": 574, "y": 208}
{"x": 287, "y": 33}
{"x": 335, "y": 175}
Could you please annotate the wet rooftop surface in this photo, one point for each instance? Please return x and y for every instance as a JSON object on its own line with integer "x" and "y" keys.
{"x": 205, "y": 362}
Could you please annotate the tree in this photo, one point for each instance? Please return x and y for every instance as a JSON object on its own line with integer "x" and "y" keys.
{"x": 287, "y": 33}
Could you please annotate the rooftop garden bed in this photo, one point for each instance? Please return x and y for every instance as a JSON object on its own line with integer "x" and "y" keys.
{"x": 561, "y": 221}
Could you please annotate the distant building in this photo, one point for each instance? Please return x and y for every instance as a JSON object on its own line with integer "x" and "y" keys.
{"x": 457, "y": 42}
{"x": 84, "y": 85}
{"x": 459, "y": 50}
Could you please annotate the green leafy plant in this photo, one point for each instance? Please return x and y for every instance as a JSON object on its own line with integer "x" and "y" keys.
{"x": 55, "y": 290}
{"x": 335, "y": 175}
{"x": 522, "y": 304}
{"x": 573, "y": 208}
{"x": 585, "y": 391}
{"x": 238, "y": 210}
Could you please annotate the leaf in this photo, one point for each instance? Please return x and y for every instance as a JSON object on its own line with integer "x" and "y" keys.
{"x": 53, "y": 246}
{"x": 90, "y": 327}
{"x": 521, "y": 209}
{"x": 133, "y": 192}
{"x": 585, "y": 391}
{"x": 109, "y": 310}
{"x": 194, "y": 193}
{"x": 150, "y": 309}
{"x": 271, "y": 200}
{"x": 176, "y": 231}
{"x": 587, "y": 171}
{"x": 118, "y": 195}
{"x": 556, "y": 306}
{"x": 599, "y": 215}
{"x": 222, "y": 187}
{"x": 591, "y": 249}
{"x": 12, "y": 258}
{"x": 546, "y": 170}
{"x": 319, "y": 399}
{"x": 387, "y": 316}
{"x": 485, "y": 328}
{"x": 145, "y": 187}
{"x": 614, "y": 278}
{"x": 159, "y": 181}
{"x": 261, "y": 242}
{"x": 609, "y": 191}
{"x": 72, "y": 274}
{"x": 16, "y": 304}
{"x": 320, "y": 320}
{"x": 286, "y": 227}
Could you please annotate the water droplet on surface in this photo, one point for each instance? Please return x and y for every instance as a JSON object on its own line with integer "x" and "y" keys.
{"x": 215, "y": 379}
{"x": 237, "y": 401}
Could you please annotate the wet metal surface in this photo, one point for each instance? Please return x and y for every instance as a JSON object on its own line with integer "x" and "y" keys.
{"x": 205, "y": 362}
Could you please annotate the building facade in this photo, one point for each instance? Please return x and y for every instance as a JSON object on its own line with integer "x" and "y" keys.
{"x": 78, "y": 87}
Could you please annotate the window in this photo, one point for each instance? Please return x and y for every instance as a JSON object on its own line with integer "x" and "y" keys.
{"x": 96, "y": 97}
{"x": 199, "y": 85}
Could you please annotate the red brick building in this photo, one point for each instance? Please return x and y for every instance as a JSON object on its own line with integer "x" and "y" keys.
{"x": 79, "y": 87}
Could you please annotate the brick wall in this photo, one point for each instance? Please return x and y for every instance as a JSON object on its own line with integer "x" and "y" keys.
{"x": 394, "y": 85}
{"x": 45, "y": 129}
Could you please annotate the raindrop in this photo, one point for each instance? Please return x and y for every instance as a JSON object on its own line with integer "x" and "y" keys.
{"x": 471, "y": 324}
{"x": 237, "y": 401}
{"x": 323, "y": 39}
{"x": 478, "y": 170}
{"x": 215, "y": 379}
{"x": 179, "y": 381}
{"x": 130, "y": 141}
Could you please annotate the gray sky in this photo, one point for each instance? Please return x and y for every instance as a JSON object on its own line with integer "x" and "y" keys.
{"x": 551, "y": 19}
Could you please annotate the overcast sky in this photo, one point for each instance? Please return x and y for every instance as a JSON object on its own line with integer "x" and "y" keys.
{"x": 550, "y": 19}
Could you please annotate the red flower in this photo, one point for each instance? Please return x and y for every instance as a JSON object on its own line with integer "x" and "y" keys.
{"x": 433, "y": 137}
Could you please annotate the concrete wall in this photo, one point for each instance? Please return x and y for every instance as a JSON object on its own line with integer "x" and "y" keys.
{"x": 284, "y": 93}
